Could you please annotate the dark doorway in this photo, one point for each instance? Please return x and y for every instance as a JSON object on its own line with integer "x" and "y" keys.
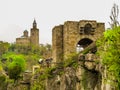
{"x": 83, "y": 43}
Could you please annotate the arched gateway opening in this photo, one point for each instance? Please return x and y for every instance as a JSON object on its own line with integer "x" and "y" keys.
{"x": 83, "y": 43}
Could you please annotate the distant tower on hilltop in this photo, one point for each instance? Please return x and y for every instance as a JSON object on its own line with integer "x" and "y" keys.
{"x": 34, "y": 35}
{"x": 33, "y": 39}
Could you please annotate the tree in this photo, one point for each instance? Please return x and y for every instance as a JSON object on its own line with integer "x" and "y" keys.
{"x": 109, "y": 52}
{"x": 4, "y": 46}
{"x": 46, "y": 50}
{"x": 114, "y": 16}
{"x": 16, "y": 67}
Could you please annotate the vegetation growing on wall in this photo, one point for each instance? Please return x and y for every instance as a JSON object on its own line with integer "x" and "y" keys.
{"x": 71, "y": 61}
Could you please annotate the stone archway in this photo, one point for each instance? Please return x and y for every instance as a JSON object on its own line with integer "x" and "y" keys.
{"x": 83, "y": 43}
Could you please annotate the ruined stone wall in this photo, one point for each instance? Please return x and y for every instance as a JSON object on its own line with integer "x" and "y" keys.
{"x": 66, "y": 38}
{"x": 57, "y": 39}
{"x": 70, "y": 37}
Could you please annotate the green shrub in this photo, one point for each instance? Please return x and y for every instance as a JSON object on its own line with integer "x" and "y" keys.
{"x": 16, "y": 67}
{"x": 109, "y": 52}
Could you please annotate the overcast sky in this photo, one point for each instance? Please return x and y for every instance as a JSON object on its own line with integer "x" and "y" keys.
{"x": 18, "y": 15}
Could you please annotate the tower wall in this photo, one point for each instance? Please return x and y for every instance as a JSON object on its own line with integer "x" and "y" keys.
{"x": 34, "y": 37}
{"x": 67, "y": 36}
{"x": 57, "y": 44}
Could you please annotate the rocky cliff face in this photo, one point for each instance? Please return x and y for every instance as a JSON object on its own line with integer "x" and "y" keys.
{"x": 84, "y": 77}
{"x": 82, "y": 73}
{"x": 89, "y": 75}
{"x": 66, "y": 81}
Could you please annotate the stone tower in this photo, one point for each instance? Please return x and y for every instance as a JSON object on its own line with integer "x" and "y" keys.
{"x": 73, "y": 35}
{"x": 34, "y": 34}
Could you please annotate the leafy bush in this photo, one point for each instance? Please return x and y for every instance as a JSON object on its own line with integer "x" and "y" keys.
{"x": 16, "y": 67}
{"x": 109, "y": 52}
{"x": 3, "y": 83}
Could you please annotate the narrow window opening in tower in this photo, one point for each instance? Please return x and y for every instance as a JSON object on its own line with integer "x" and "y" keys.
{"x": 82, "y": 44}
{"x": 88, "y": 29}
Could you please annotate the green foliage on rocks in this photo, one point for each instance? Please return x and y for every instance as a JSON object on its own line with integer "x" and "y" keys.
{"x": 109, "y": 52}
{"x": 3, "y": 82}
{"x": 4, "y": 46}
{"x": 72, "y": 60}
{"x": 14, "y": 58}
{"x": 14, "y": 64}
{"x": 16, "y": 67}
{"x": 39, "y": 83}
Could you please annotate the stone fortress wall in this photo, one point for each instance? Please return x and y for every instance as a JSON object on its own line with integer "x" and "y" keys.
{"x": 66, "y": 37}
